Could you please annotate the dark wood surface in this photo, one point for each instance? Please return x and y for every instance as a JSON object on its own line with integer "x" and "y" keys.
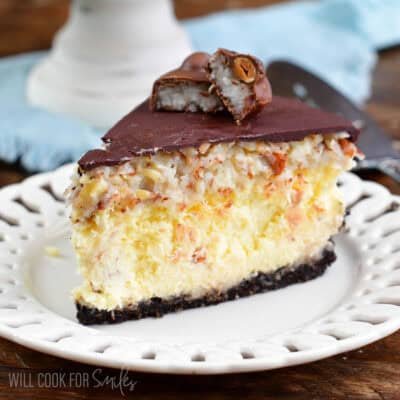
{"x": 372, "y": 372}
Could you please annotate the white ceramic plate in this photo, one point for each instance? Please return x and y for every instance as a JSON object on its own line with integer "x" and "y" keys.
{"x": 357, "y": 301}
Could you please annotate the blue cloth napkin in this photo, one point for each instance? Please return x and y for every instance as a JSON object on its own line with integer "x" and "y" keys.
{"x": 336, "y": 39}
{"x": 39, "y": 139}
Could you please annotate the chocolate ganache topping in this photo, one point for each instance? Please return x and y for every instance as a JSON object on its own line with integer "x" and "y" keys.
{"x": 143, "y": 131}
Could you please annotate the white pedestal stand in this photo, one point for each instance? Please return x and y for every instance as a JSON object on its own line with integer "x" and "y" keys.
{"x": 105, "y": 58}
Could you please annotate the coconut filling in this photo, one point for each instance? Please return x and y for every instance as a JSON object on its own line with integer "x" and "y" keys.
{"x": 232, "y": 89}
{"x": 201, "y": 220}
{"x": 187, "y": 96}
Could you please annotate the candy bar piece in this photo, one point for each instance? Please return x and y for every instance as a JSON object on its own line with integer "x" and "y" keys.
{"x": 240, "y": 81}
{"x": 186, "y": 88}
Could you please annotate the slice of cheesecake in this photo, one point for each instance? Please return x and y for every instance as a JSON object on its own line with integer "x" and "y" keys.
{"x": 181, "y": 210}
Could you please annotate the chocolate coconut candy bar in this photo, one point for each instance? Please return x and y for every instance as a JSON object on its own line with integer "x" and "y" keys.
{"x": 240, "y": 81}
{"x": 186, "y": 88}
{"x": 181, "y": 210}
{"x": 225, "y": 81}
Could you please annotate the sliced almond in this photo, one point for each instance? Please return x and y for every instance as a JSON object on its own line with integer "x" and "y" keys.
{"x": 142, "y": 194}
{"x": 204, "y": 148}
{"x": 152, "y": 174}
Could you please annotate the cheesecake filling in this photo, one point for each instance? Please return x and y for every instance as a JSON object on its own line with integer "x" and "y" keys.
{"x": 198, "y": 220}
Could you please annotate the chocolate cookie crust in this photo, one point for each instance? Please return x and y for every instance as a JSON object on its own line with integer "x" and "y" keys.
{"x": 262, "y": 282}
{"x": 144, "y": 132}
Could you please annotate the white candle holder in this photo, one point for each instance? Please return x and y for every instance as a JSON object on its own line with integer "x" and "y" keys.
{"x": 105, "y": 59}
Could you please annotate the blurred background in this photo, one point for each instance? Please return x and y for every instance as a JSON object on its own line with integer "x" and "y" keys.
{"x": 27, "y": 25}
{"x": 368, "y": 71}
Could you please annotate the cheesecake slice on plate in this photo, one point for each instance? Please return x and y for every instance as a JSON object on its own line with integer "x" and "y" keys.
{"x": 186, "y": 209}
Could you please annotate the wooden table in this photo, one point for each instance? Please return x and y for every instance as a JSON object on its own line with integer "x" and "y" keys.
{"x": 372, "y": 372}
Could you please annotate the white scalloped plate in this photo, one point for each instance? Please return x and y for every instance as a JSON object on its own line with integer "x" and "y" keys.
{"x": 356, "y": 302}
